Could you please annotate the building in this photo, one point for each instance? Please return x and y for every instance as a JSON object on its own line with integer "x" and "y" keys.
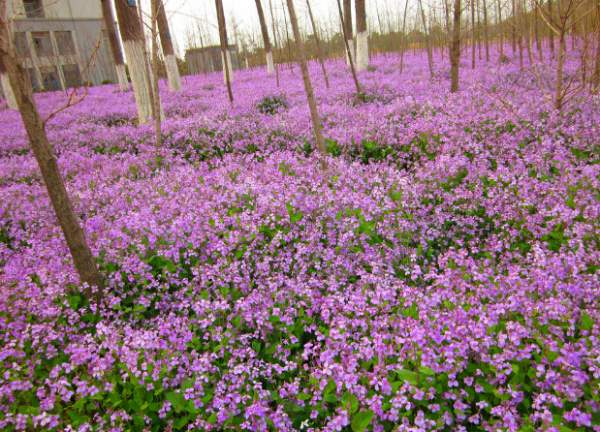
{"x": 209, "y": 59}
{"x": 62, "y": 43}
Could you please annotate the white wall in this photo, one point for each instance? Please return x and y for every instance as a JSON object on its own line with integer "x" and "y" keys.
{"x": 79, "y": 9}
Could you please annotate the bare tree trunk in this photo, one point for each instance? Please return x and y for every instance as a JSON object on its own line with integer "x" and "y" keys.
{"x": 274, "y": 39}
{"x": 44, "y": 155}
{"x": 9, "y": 94}
{"x": 348, "y": 30}
{"x": 455, "y": 47}
{"x": 473, "y": 34}
{"x": 562, "y": 48}
{"x": 318, "y": 42}
{"x": 348, "y": 50}
{"x": 551, "y": 37}
{"x": 266, "y": 41}
{"x": 485, "y": 31}
{"x": 362, "y": 36}
{"x": 596, "y": 77}
{"x": 478, "y": 29}
{"x": 427, "y": 40}
{"x": 225, "y": 56}
{"x": 115, "y": 46}
{"x": 133, "y": 42}
{"x": 155, "y": 5}
{"x": 310, "y": 96}
{"x": 536, "y": 29}
{"x": 520, "y": 34}
{"x": 167, "y": 48}
{"x": 404, "y": 37}
{"x": 287, "y": 36}
{"x": 513, "y": 23}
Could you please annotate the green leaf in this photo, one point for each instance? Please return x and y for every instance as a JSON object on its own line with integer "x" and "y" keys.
{"x": 361, "y": 420}
{"x": 408, "y": 376}
{"x": 350, "y": 401}
{"x": 587, "y": 321}
{"x": 177, "y": 401}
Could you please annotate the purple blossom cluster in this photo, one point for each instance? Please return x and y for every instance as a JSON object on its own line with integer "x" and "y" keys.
{"x": 440, "y": 273}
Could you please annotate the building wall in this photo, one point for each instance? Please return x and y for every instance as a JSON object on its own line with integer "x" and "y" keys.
{"x": 91, "y": 50}
{"x": 54, "y": 9}
{"x": 208, "y": 59}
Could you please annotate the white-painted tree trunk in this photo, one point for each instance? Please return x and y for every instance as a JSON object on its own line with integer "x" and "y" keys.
{"x": 136, "y": 60}
{"x": 122, "y": 77}
{"x": 173, "y": 72}
{"x": 362, "y": 51}
{"x": 7, "y": 89}
{"x": 270, "y": 64}
{"x": 229, "y": 66}
{"x": 351, "y": 46}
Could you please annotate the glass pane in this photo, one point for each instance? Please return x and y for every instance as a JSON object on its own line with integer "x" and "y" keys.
{"x": 21, "y": 45}
{"x": 33, "y": 8}
{"x": 72, "y": 75}
{"x": 64, "y": 42}
{"x": 42, "y": 44}
{"x": 50, "y": 78}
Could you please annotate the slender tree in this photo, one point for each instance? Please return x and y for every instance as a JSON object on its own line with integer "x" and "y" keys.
{"x": 362, "y": 36}
{"x": 266, "y": 41}
{"x": 274, "y": 29}
{"x": 310, "y": 96}
{"x": 167, "y": 47}
{"x": 348, "y": 30}
{"x": 46, "y": 159}
{"x": 455, "y": 47}
{"x": 500, "y": 25}
{"x": 596, "y": 76}
{"x": 135, "y": 52}
{"x": 155, "y": 6}
{"x": 115, "y": 46}
{"x": 427, "y": 40}
{"x": 473, "y": 41}
{"x": 486, "y": 36}
{"x": 318, "y": 42}
{"x": 348, "y": 50}
{"x": 404, "y": 43}
{"x": 513, "y": 29}
{"x": 225, "y": 54}
{"x": 9, "y": 94}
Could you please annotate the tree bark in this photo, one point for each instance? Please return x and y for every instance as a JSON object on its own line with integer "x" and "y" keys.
{"x": 225, "y": 55}
{"x": 274, "y": 29}
{"x": 9, "y": 94}
{"x": 500, "y": 25}
{"x": 551, "y": 37}
{"x": 347, "y": 30}
{"x": 513, "y": 32}
{"x": 455, "y": 48}
{"x": 310, "y": 96}
{"x": 44, "y": 155}
{"x": 362, "y": 37}
{"x": 404, "y": 37}
{"x": 166, "y": 41}
{"x": 485, "y": 31}
{"x": 133, "y": 42}
{"x": 318, "y": 42}
{"x": 266, "y": 41}
{"x": 427, "y": 40}
{"x": 473, "y": 41}
{"x": 115, "y": 47}
{"x": 596, "y": 77}
{"x": 348, "y": 50}
{"x": 156, "y": 5}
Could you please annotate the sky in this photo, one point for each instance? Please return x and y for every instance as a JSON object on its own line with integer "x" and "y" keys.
{"x": 185, "y": 14}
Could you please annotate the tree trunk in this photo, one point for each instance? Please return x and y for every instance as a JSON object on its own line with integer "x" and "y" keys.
{"x": 274, "y": 29}
{"x": 520, "y": 34}
{"x": 318, "y": 42}
{"x": 536, "y": 29}
{"x": 310, "y": 96}
{"x": 404, "y": 37}
{"x": 596, "y": 77}
{"x": 347, "y": 30}
{"x": 265, "y": 34}
{"x": 455, "y": 47}
{"x": 44, "y": 155}
{"x": 156, "y": 5}
{"x": 427, "y": 40}
{"x": 513, "y": 23}
{"x": 9, "y": 94}
{"x": 348, "y": 50}
{"x": 225, "y": 55}
{"x": 115, "y": 46}
{"x": 133, "y": 42}
{"x": 473, "y": 34}
{"x": 362, "y": 37}
{"x": 500, "y": 30}
{"x": 551, "y": 37}
{"x": 167, "y": 48}
{"x": 485, "y": 31}
{"x": 562, "y": 48}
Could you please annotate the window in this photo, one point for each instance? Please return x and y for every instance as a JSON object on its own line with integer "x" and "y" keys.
{"x": 21, "y": 45}
{"x": 42, "y": 44}
{"x": 72, "y": 75}
{"x": 64, "y": 42}
{"x": 35, "y": 85}
{"x": 33, "y": 8}
{"x": 50, "y": 78}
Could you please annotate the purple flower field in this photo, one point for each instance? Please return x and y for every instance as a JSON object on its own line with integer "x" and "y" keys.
{"x": 441, "y": 273}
